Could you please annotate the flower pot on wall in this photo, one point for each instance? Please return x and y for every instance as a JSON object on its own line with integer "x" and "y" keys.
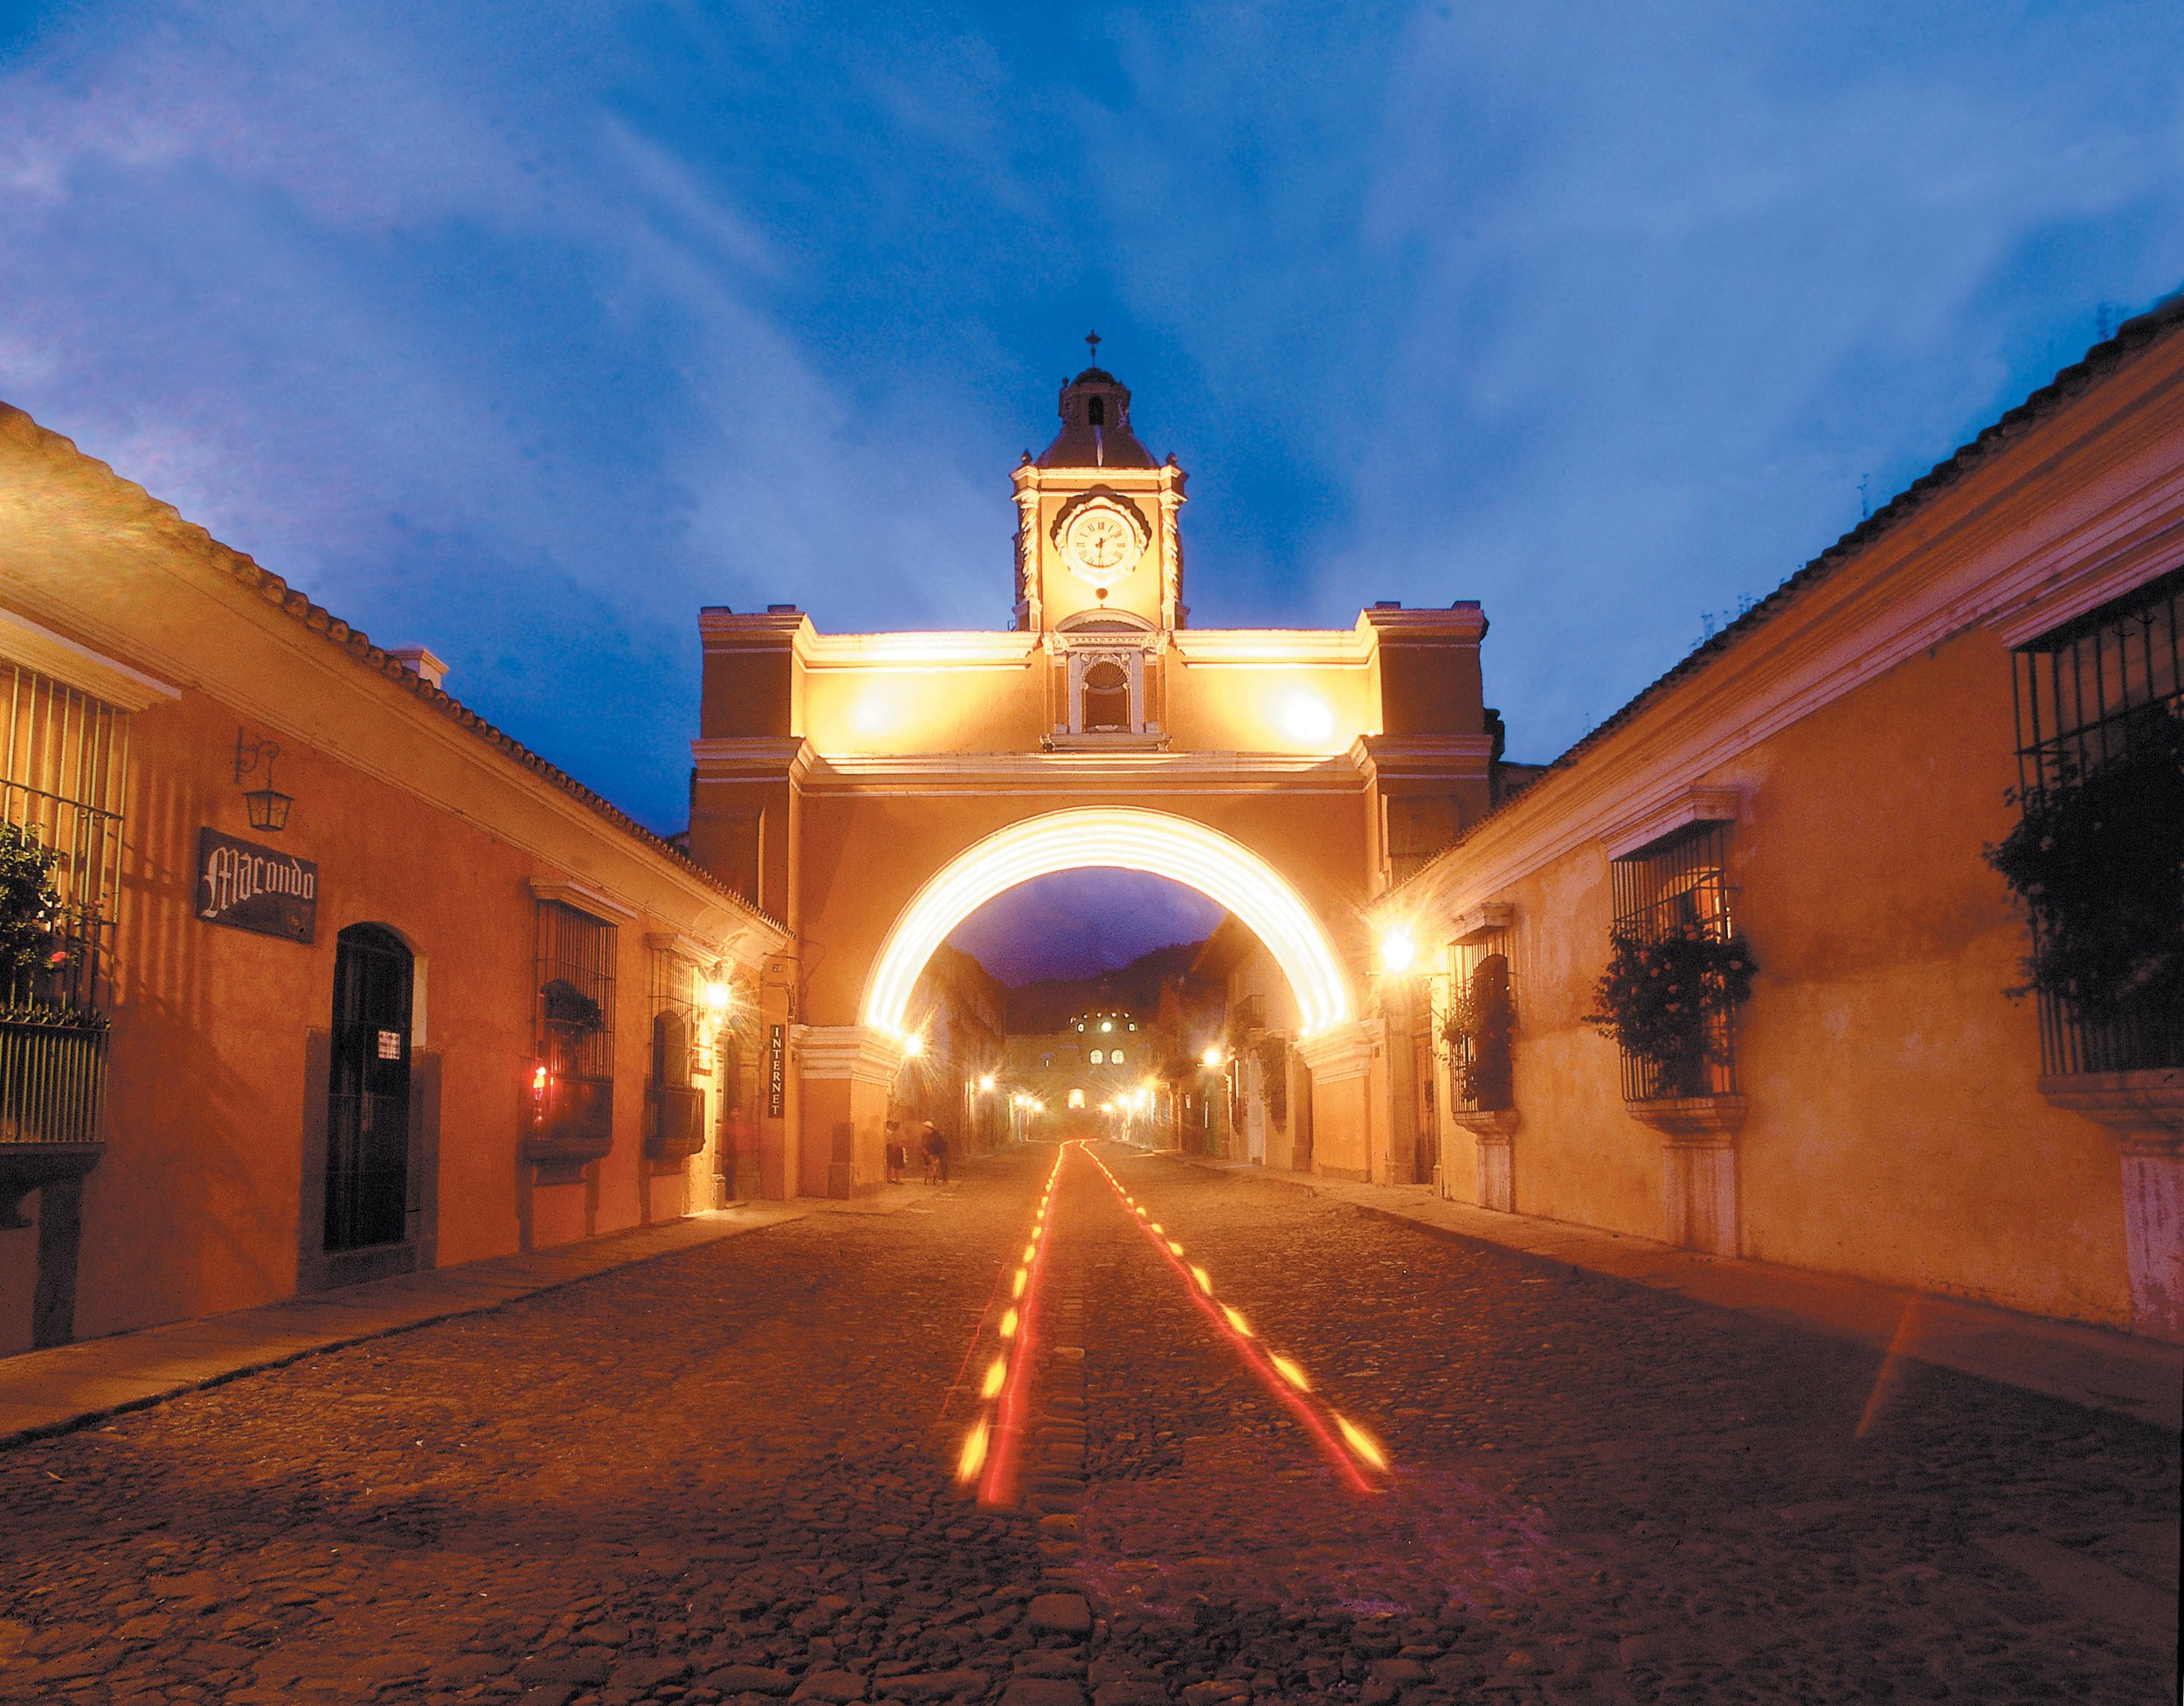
{"x": 572, "y": 1125}
{"x": 678, "y": 1122}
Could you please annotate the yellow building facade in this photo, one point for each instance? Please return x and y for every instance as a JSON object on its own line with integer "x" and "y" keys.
{"x": 1824, "y": 778}
{"x": 873, "y": 789}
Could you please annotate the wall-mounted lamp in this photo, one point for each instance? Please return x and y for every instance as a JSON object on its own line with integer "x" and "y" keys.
{"x": 268, "y": 805}
{"x": 1398, "y": 950}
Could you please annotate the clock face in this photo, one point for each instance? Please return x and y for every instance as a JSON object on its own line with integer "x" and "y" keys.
{"x": 1101, "y": 547}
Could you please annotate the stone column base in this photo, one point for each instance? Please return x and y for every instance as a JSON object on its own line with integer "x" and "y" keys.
{"x": 846, "y": 1072}
{"x": 1698, "y": 1168}
{"x": 2145, "y": 1111}
{"x": 1492, "y": 1132}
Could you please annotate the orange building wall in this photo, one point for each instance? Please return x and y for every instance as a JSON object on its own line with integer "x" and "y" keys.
{"x": 1895, "y": 1132}
{"x": 414, "y": 822}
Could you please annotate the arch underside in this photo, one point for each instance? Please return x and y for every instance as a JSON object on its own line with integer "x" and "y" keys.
{"x": 1125, "y": 838}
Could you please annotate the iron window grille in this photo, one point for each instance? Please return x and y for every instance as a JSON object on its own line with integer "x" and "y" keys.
{"x": 2079, "y": 691}
{"x": 1678, "y": 883}
{"x": 576, "y": 994}
{"x": 1472, "y": 966}
{"x": 63, "y": 761}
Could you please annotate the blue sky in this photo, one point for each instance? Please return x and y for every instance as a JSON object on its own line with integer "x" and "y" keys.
{"x": 522, "y": 331}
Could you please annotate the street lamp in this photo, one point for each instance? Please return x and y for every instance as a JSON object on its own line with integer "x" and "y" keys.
{"x": 1397, "y": 951}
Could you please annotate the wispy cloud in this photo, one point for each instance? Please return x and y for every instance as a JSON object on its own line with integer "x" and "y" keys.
{"x": 523, "y": 332}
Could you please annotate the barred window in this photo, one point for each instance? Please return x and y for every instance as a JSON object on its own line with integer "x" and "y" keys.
{"x": 61, "y": 772}
{"x": 678, "y": 1007}
{"x": 63, "y": 760}
{"x": 1678, "y": 886}
{"x": 2098, "y": 701}
{"x": 576, "y": 994}
{"x": 2081, "y": 687}
{"x": 1480, "y": 1007}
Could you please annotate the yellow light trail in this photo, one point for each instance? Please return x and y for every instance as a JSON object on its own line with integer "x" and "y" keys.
{"x": 1131, "y": 838}
{"x": 1354, "y": 1446}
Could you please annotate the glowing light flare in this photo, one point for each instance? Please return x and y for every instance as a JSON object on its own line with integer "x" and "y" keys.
{"x": 1289, "y": 1371}
{"x": 1305, "y": 717}
{"x": 1361, "y": 1442}
{"x": 1023, "y": 1279}
{"x": 1128, "y": 838}
{"x": 1211, "y": 1059}
{"x": 717, "y": 999}
{"x": 1398, "y": 950}
{"x": 1206, "y": 1283}
{"x": 997, "y": 1371}
{"x": 974, "y": 1445}
{"x": 912, "y": 1045}
{"x": 1237, "y": 1321}
{"x": 1008, "y": 1325}
{"x": 1031, "y": 1249}
{"x": 1174, "y": 1248}
{"x": 985, "y": 1083}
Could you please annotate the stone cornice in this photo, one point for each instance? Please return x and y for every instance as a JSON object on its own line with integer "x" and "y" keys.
{"x": 1006, "y": 648}
{"x": 1462, "y": 624}
{"x": 112, "y": 682}
{"x": 347, "y": 667}
{"x": 758, "y": 757}
{"x": 1648, "y": 823}
{"x": 582, "y": 897}
{"x": 1274, "y": 649}
{"x": 854, "y": 1051}
{"x": 1098, "y": 774}
{"x": 2028, "y": 536}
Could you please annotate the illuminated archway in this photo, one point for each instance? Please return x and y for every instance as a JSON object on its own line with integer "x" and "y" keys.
{"x": 1131, "y": 839}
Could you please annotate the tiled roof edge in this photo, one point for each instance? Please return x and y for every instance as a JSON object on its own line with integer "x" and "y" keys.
{"x": 358, "y": 645}
{"x": 2132, "y": 336}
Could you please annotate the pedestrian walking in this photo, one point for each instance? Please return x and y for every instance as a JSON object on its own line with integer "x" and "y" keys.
{"x": 898, "y": 1156}
{"x": 929, "y": 1148}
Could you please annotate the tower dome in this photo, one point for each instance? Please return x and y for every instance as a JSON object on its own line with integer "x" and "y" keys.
{"x": 1095, "y": 411}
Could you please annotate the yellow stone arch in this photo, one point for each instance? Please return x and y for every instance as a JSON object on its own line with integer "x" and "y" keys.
{"x": 1130, "y": 839}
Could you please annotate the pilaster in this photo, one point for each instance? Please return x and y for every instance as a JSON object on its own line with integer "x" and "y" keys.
{"x": 2145, "y": 1110}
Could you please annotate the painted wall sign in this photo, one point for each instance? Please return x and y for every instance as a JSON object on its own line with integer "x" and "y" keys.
{"x": 776, "y": 1071}
{"x": 250, "y": 887}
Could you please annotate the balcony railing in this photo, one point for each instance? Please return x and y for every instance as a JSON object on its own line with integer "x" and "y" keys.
{"x": 53, "y": 1076}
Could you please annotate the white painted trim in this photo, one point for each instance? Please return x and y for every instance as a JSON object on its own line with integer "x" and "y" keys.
{"x": 582, "y": 897}
{"x": 855, "y": 1052}
{"x": 38, "y": 647}
{"x": 1909, "y": 590}
{"x": 686, "y": 946}
{"x": 1658, "y": 817}
{"x": 1478, "y": 922}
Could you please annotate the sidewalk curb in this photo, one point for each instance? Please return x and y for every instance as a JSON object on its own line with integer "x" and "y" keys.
{"x": 46, "y": 1393}
{"x": 2090, "y": 1366}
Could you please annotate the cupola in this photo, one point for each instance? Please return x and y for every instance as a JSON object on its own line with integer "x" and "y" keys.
{"x": 1095, "y": 411}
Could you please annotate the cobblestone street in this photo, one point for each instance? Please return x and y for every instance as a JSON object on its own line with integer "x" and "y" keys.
{"x": 726, "y": 1475}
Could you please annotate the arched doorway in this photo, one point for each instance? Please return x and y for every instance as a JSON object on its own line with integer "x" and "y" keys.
{"x": 1130, "y": 839}
{"x": 368, "y": 1090}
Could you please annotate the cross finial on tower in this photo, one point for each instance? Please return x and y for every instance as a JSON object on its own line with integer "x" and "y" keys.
{"x": 1092, "y": 343}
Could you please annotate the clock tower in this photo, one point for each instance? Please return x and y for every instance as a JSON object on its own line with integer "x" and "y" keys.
{"x": 1098, "y": 548}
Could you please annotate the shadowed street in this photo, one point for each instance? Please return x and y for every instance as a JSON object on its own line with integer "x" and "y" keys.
{"x": 726, "y": 1475}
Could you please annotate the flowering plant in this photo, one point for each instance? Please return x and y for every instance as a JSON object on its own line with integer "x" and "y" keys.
{"x": 1478, "y": 1031}
{"x": 2097, "y": 859}
{"x": 31, "y": 937}
{"x": 1662, "y": 1000}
